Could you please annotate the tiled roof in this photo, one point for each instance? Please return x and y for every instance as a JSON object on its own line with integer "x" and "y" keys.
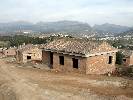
{"x": 77, "y": 46}
{"x": 27, "y": 47}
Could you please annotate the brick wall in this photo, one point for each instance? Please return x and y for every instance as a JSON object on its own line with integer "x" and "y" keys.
{"x": 19, "y": 56}
{"x": 131, "y": 60}
{"x": 68, "y": 63}
{"x": 45, "y": 57}
{"x": 36, "y": 54}
{"x": 127, "y": 61}
{"x": 91, "y": 65}
{"x": 10, "y": 52}
{"x": 99, "y": 64}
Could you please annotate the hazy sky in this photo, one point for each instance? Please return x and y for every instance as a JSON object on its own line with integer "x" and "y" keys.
{"x": 90, "y": 11}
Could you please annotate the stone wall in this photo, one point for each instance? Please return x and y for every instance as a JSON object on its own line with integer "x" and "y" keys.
{"x": 19, "y": 56}
{"x": 99, "y": 64}
{"x": 45, "y": 57}
{"x": 36, "y": 54}
{"x": 127, "y": 61}
{"x": 131, "y": 60}
{"x": 92, "y": 65}
{"x": 10, "y": 52}
{"x": 68, "y": 63}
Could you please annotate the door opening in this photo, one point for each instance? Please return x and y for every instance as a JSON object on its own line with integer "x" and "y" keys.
{"x": 28, "y": 57}
{"x": 61, "y": 60}
{"x": 51, "y": 59}
{"x": 75, "y": 63}
{"x": 110, "y": 60}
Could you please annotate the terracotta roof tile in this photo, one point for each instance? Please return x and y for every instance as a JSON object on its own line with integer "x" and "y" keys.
{"x": 27, "y": 47}
{"x": 78, "y": 46}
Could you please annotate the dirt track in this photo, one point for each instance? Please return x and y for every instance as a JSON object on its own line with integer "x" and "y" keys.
{"x": 18, "y": 83}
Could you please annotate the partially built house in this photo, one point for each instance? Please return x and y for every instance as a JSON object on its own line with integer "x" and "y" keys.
{"x": 28, "y": 52}
{"x": 128, "y": 57}
{"x": 89, "y": 57}
{"x": 10, "y": 52}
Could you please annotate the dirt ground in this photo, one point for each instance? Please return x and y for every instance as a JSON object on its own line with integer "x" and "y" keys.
{"x": 24, "y": 83}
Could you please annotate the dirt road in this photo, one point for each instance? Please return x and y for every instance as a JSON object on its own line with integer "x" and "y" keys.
{"x": 17, "y": 83}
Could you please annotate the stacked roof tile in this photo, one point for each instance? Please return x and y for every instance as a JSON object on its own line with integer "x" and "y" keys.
{"x": 78, "y": 46}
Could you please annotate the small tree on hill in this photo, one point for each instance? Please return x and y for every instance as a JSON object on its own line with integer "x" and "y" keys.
{"x": 119, "y": 58}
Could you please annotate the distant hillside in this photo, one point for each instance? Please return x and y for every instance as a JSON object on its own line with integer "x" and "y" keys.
{"x": 15, "y": 26}
{"x": 110, "y": 28}
{"x": 63, "y": 26}
{"x": 72, "y": 27}
{"x": 127, "y": 33}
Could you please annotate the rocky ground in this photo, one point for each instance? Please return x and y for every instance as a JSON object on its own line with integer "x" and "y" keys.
{"x": 26, "y": 83}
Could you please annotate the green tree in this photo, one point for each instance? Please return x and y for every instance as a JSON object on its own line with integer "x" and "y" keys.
{"x": 119, "y": 58}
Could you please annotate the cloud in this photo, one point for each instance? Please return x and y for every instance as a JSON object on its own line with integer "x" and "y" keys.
{"x": 91, "y": 11}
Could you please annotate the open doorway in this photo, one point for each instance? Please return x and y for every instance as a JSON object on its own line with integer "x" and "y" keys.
{"x": 75, "y": 63}
{"x": 28, "y": 57}
{"x": 110, "y": 60}
{"x": 51, "y": 59}
{"x": 61, "y": 60}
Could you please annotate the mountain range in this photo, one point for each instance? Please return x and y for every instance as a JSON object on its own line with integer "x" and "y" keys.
{"x": 74, "y": 27}
{"x": 111, "y": 28}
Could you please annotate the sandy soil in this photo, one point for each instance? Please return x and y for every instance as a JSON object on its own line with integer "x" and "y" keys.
{"x": 21, "y": 83}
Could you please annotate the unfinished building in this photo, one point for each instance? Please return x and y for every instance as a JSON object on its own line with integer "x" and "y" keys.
{"x": 128, "y": 57}
{"x": 79, "y": 55}
{"x": 28, "y": 52}
{"x": 10, "y": 52}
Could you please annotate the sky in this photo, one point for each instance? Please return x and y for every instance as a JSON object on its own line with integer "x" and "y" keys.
{"x": 118, "y": 12}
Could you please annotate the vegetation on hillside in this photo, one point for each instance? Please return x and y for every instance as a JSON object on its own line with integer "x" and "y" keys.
{"x": 119, "y": 58}
{"x": 16, "y": 40}
{"x": 122, "y": 43}
{"x": 20, "y": 39}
